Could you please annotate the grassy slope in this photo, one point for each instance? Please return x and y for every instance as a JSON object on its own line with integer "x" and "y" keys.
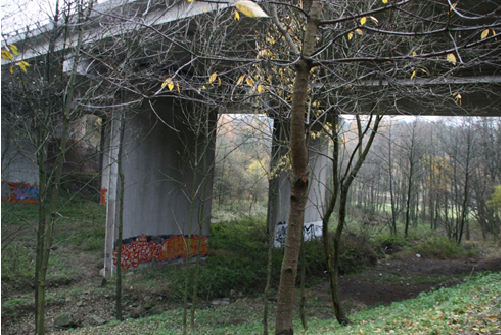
{"x": 470, "y": 308}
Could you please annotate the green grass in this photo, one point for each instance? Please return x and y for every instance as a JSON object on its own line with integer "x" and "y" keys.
{"x": 471, "y": 308}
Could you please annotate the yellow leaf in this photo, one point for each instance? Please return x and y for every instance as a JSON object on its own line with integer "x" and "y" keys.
{"x": 457, "y": 97}
{"x": 167, "y": 81}
{"x": 350, "y": 35}
{"x": 23, "y": 64}
{"x": 413, "y": 74}
{"x": 424, "y": 70}
{"x": 178, "y": 88}
{"x": 237, "y": 16}
{"x": 249, "y": 81}
{"x": 13, "y": 48}
{"x": 205, "y": 9}
{"x": 385, "y": 1}
{"x": 219, "y": 81}
{"x": 11, "y": 70}
{"x": 213, "y": 77}
{"x": 374, "y": 19}
{"x": 363, "y": 20}
{"x": 6, "y": 55}
{"x": 260, "y": 88}
{"x": 485, "y": 33}
{"x": 191, "y": 0}
{"x": 203, "y": 87}
{"x": 359, "y": 31}
{"x": 250, "y": 9}
{"x": 240, "y": 80}
{"x": 451, "y": 58}
{"x": 264, "y": 53}
{"x": 414, "y": 53}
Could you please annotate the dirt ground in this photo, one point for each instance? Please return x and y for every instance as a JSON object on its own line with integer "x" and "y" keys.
{"x": 389, "y": 281}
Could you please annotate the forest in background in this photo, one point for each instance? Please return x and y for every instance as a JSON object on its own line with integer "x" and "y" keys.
{"x": 441, "y": 173}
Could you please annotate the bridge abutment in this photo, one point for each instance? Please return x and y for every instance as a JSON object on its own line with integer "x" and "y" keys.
{"x": 279, "y": 195}
{"x": 168, "y": 156}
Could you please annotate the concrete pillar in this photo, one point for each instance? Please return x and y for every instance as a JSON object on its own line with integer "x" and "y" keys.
{"x": 279, "y": 185}
{"x": 168, "y": 160}
{"x": 279, "y": 195}
{"x": 19, "y": 168}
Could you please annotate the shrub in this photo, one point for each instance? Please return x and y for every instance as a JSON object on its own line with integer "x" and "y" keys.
{"x": 442, "y": 248}
{"x": 356, "y": 253}
{"x": 18, "y": 265}
{"x": 388, "y": 244}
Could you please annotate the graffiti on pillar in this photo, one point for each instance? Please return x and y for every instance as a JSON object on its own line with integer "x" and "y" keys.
{"x": 103, "y": 199}
{"x": 280, "y": 234}
{"x": 19, "y": 192}
{"x": 312, "y": 230}
{"x": 144, "y": 249}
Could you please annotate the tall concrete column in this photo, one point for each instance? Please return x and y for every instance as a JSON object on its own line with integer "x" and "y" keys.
{"x": 279, "y": 185}
{"x": 109, "y": 182}
{"x": 168, "y": 163}
{"x": 279, "y": 195}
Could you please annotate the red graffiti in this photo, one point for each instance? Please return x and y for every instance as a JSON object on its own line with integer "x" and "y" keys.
{"x": 141, "y": 251}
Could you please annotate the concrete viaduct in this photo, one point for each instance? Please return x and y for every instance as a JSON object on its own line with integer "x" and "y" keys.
{"x": 161, "y": 175}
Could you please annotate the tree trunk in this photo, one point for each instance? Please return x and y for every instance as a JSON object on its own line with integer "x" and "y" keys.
{"x": 299, "y": 182}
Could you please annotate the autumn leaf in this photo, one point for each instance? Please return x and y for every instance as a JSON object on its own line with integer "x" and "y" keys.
{"x": 350, "y": 35}
{"x": 363, "y": 20}
{"x": 385, "y": 1}
{"x": 213, "y": 77}
{"x": 240, "y": 80}
{"x": 169, "y": 83}
{"x": 451, "y": 58}
{"x": 260, "y": 88}
{"x": 11, "y": 69}
{"x": 485, "y": 33}
{"x": 359, "y": 31}
{"x": 413, "y": 74}
{"x": 250, "y": 9}
{"x": 237, "y": 16}
{"x": 13, "y": 49}
{"x": 7, "y": 55}
{"x": 23, "y": 64}
{"x": 249, "y": 81}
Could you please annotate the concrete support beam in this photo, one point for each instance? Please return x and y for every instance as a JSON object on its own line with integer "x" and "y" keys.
{"x": 168, "y": 160}
{"x": 18, "y": 159}
{"x": 278, "y": 202}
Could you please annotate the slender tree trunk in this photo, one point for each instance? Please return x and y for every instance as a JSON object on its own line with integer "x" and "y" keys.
{"x": 299, "y": 182}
